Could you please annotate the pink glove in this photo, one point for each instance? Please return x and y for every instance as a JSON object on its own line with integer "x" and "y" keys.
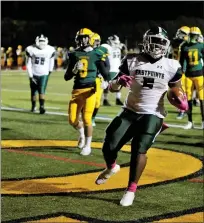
{"x": 183, "y": 103}
{"x": 125, "y": 80}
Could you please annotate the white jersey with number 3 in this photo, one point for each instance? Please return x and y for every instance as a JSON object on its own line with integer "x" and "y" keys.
{"x": 114, "y": 57}
{"x": 40, "y": 59}
{"x": 146, "y": 94}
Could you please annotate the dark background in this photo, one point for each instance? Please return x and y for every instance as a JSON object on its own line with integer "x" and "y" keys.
{"x": 60, "y": 20}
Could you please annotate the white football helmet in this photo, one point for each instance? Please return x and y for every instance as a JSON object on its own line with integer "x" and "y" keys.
{"x": 114, "y": 41}
{"x": 156, "y": 42}
{"x": 41, "y": 41}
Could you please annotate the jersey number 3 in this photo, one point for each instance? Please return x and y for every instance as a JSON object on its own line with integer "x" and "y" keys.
{"x": 83, "y": 73}
{"x": 148, "y": 82}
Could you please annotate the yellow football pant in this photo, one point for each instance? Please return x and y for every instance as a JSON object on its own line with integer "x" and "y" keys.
{"x": 183, "y": 80}
{"x": 19, "y": 61}
{"x": 99, "y": 91}
{"x": 198, "y": 82}
{"x": 2, "y": 62}
{"x": 9, "y": 62}
{"x": 83, "y": 100}
{"x": 59, "y": 62}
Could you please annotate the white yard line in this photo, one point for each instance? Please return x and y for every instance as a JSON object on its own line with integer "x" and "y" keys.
{"x": 16, "y": 90}
{"x": 97, "y": 117}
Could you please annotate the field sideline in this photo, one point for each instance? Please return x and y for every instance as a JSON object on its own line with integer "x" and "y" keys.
{"x": 45, "y": 179}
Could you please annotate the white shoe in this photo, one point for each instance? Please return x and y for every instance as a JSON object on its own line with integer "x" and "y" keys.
{"x": 93, "y": 123}
{"x": 106, "y": 174}
{"x": 202, "y": 125}
{"x": 188, "y": 126}
{"x": 81, "y": 142}
{"x": 127, "y": 198}
{"x": 85, "y": 151}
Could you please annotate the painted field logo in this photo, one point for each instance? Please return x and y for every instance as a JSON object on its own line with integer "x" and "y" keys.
{"x": 77, "y": 183}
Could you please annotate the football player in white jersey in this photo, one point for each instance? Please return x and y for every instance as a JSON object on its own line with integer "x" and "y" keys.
{"x": 40, "y": 63}
{"x": 147, "y": 75}
{"x": 114, "y": 47}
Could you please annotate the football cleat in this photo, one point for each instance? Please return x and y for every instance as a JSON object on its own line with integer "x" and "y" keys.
{"x": 86, "y": 151}
{"x": 188, "y": 126}
{"x": 118, "y": 102}
{"x": 106, "y": 103}
{"x": 127, "y": 198}
{"x": 81, "y": 142}
{"x": 106, "y": 174}
{"x": 42, "y": 110}
{"x": 180, "y": 115}
{"x": 33, "y": 109}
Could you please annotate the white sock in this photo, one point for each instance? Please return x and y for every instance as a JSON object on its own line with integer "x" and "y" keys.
{"x": 81, "y": 132}
{"x": 88, "y": 142}
{"x": 118, "y": 95}
{"x": 105, "y": 96}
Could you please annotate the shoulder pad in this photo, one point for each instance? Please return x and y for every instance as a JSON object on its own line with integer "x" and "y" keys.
{"x": 108, "y": 47}
{"x": 172, "y": 65}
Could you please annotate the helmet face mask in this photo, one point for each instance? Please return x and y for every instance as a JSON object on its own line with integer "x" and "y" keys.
{"x": 156, "y": 44}
{"x": 83, "y": 41}
{"x": 95, "y": 40}
{"x": 41, "y": 42}
{"x": 182, "y": 33}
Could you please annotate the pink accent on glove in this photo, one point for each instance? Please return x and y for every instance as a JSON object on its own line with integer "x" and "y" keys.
{"x": 125, "y": 80}
{"x": 183, "y": 103}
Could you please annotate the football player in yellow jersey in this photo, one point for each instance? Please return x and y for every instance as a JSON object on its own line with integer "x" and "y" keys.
{"x": 100, "y": 83}
{"x": 192, "y": 55}
{"x": 59, "y": 57}
{"x": 83, "y": 65}
{"x": 3, "y": 57}
{"x": 9, "y": 57}
{"x": 20, "y": 56}
{"x": 181, "y": 37}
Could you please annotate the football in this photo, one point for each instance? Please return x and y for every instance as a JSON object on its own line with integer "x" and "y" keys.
{"x": 173, "y": 95}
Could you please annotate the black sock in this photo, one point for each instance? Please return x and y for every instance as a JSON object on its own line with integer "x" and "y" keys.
{"x": 95, "y": 112}
{"x": 190, "y": 108}
{"x": 42, "y": 101}
{"x": 33, "y": 104}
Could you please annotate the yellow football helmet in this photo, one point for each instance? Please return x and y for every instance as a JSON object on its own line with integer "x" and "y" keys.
{"x": 19, "y": 47}
{"x": 183, "y": 33}
{"x": 83, "y": 37}
{"x": 59, "y": 49}
{"x": 95, "y": 40}
{"x": 194, "y": 34}
{"x": 195, "y": 30}
{"x": 9, "y": 49}
{"x": 71, "y": 49}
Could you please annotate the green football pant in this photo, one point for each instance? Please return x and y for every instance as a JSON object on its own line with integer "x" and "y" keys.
{"x": 41, "y": 85}
{"x": 141, "y": 128}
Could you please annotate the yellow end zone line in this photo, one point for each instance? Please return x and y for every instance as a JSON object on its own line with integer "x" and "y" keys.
{"x": 51, "y": 143}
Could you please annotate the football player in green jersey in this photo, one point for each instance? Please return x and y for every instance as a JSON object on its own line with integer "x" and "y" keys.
{"x": 100, "y": 83}
{"x": 83, "y": 65}
{"x": 192, "y": 54}
{"x": 182, "y": 35}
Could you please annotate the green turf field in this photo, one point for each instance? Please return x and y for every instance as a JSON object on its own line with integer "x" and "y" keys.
{"x": 154, "y": 201}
